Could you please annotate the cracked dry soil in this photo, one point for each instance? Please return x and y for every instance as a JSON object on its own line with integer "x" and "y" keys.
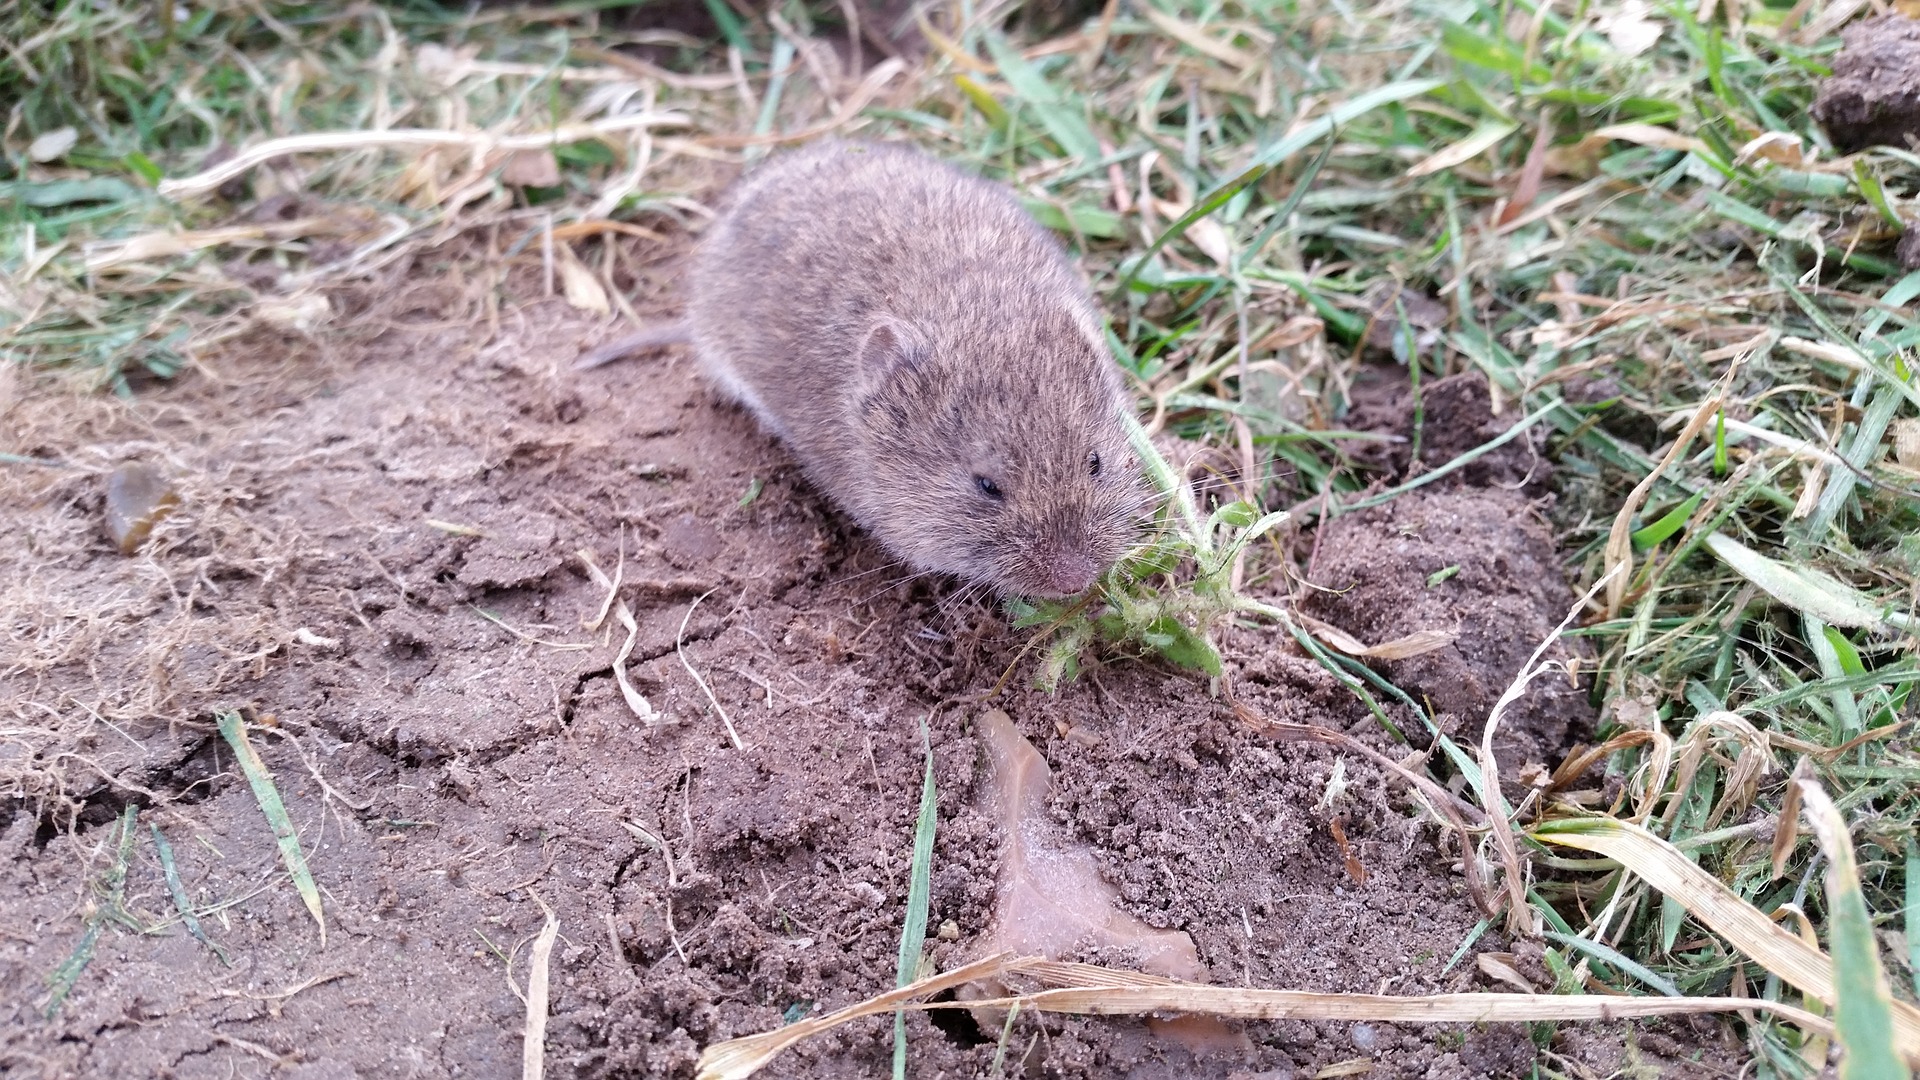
{"x": 374, "y": 560}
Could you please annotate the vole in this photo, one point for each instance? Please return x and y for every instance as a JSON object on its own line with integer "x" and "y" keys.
{"x": 929, "y": 355}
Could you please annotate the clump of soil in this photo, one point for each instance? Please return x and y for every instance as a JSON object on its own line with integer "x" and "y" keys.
{"x": 1476, "y": 562}
{"x": 1873, "y": 96}
{"x": 1469, "y": 554}
{"x": 375, "y": 556}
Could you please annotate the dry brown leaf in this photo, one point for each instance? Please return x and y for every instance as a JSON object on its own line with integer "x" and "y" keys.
{"x": 1418, "y": 643}
{"x": 53, "y": 145}
{"x": 1629, "y": 28}
{"x": 1206, "y": 233}
{"x": 1527, "y": 188}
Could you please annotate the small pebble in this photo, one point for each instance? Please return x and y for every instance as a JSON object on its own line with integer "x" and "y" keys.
{"x": 138, "y": 496}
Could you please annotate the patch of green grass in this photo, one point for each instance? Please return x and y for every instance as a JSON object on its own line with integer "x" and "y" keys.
{"x": 107, "y": 905}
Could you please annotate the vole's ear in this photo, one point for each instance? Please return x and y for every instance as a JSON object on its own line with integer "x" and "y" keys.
{"x": 892, "y": 346}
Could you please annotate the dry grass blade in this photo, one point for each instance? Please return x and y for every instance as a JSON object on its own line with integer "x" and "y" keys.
{"x": 1418, "y": 643}
{"x": 1619, "y": 550}
{"x": 1242, "y": 1003}
{"x": 478, "y": 142}
{"x": 268, "y": 796}
{"x": 636, "y": 701}
{"x": 1437, "y": 797}
{"x": 1518, "y": 911}
{"x": 680, "y": 650}
{"x": 1862, "y": 1013}
{"x": 862, "y": 96}
{"x": 1088, "y": 990}
{"x": 1745, "y": 927}
{"x": 533, "y": 1048}
{"x": 739, "y": 1058}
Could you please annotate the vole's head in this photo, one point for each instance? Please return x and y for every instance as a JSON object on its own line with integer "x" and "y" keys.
{"x": 1000, "y": 457}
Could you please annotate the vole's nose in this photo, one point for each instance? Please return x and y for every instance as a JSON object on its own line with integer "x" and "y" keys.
{"x": 1065, "y": 571}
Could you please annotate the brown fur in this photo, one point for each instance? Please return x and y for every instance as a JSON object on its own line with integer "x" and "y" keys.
{"x": 909, "y": 330}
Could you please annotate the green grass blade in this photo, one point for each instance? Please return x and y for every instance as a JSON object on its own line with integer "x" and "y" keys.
{"x": 178, "y": 890}
{"x": 1265, "y": 161}
{"x": 1066, "y": 125}
{"x": 1075, "y": 218}
{"x": 783, "y": 54}
{"x": 913, "y": 935}
{"x": 268, "y": 797}
{"x": 1913, "y": 911}
{"x": 1614, "y": 958}
{"x": 730, "y": 25}
{"x": 60, "y": 982}
{"x": 1668, "y": 524}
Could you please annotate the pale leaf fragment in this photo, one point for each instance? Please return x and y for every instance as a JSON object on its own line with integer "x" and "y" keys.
{"x": 582, "y": 288}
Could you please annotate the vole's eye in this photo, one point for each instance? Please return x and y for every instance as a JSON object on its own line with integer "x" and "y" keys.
{"x": 988, "y": 488}
{"x": 1093, "y": 463}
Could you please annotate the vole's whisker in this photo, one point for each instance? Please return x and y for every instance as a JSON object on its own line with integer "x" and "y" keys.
{"x": 848, "y": 579}
{"x": 949, "y": 605}
{"x": 895, "y": 584}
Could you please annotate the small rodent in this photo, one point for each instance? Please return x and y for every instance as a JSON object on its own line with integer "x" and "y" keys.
{"x": 930, "y": 356}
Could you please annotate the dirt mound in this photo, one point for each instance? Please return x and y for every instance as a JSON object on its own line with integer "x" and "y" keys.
{"x": 1873, "y": 96}
{"x": 376, "y": 558}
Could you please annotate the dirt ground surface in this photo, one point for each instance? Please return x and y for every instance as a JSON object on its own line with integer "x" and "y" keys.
{"x": 1873, "y": 97}
{"x": 375, "y": 560}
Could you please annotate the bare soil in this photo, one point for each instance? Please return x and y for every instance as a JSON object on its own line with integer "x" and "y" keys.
{"x": 1873, "y": 96}
{"x": 365, "y": 514}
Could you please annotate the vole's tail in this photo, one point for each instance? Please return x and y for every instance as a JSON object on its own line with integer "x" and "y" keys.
{"x": 673, "y": 333}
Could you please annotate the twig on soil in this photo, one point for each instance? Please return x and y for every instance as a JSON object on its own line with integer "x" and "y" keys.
{"x": 268, "y": 796}
{"x": 313, "y": 769}
{"x": 680, "y": 647}
{"x": 564, "y": 646}
{"x": 619, "y": 953}
{"x": 264, "y": 1053}
{"x": 278, "y": 1000}
{"x": 533, "y": 1051}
